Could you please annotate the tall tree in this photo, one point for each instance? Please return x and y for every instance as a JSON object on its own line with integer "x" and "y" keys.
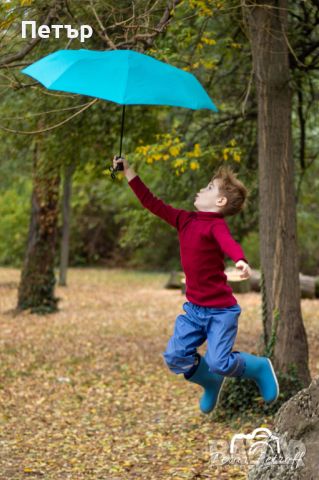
{"x": 268, "y": 21}
{"x": 36, "y": 289}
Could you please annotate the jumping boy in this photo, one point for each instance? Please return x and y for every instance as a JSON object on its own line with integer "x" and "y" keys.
{"x": 211, "y": 312}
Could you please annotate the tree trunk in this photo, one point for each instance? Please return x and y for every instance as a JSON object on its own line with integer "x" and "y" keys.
{"x": 67, "y": 190}
{"x": 36, "y": 289}
{"x": 267, "y": 20}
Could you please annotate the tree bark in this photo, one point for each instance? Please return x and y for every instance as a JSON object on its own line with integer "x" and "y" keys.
{"x": 36, "y": 289}
{"x": 267, "y": 20}
{"x": 66, "y": 208}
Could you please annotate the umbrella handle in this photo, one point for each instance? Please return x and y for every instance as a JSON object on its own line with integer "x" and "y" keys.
{"x": 119, "y": 165}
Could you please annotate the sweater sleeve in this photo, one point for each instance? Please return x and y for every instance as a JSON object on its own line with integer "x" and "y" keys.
{"x": 155, "y": 205}
{"x": 226, "y": 242}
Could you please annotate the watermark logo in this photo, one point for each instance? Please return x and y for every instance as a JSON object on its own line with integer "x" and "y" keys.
{"x": 260, "y": 447}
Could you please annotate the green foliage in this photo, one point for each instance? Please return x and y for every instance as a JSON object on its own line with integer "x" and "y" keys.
{"x": 94, "y": 230}
{"x": 14, "y": 223}
{"x": 150, "y": 242}
{"x": 109, "y": 224}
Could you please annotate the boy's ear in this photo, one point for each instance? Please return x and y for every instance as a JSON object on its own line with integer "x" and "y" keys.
{"x": 221, "y": 201}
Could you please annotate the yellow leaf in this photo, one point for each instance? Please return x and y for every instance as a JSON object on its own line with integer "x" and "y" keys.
{"x": 174, "y": 151}
{"x": 178, "y": 162}
{"x": 209, "y": 41}
{"x": 194, "y": 165}
{"x": 208, "y": 64}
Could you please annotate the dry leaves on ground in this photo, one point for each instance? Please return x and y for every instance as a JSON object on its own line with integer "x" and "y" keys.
{"x": 85, "y": 393}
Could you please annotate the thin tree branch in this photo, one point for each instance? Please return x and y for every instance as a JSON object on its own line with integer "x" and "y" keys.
{"x": 164, "y": 21}
{"x": 57, "y": 110}
{"x": 147, "y": 39}
{"x": 104, "y": 33}
{"x": 53, "y": 126}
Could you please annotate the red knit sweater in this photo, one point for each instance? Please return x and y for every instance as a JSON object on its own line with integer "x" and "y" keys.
{"x": 204, "y": 239}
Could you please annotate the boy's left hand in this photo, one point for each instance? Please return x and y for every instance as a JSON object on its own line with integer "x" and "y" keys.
{"x": 245, "y": 268}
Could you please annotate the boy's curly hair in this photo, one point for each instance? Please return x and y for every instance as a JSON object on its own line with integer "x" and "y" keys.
{"x": 231, "y": 188}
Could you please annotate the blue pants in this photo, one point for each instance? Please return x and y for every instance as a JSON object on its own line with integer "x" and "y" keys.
{"x": 219, "y": 326}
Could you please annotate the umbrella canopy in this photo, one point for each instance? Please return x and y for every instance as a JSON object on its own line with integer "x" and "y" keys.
{"x": 122, "y": 76}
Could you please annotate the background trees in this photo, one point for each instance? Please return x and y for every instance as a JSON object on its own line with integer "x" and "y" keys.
{"x": 37, "y": 280}
{"x": 174, "y": 150}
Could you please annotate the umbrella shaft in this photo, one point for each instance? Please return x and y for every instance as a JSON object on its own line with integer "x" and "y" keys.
{"x": 122, "y": 129}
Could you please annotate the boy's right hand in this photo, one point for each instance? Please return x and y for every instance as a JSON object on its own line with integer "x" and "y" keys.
{"x": 116, "y": 160}
{"x": 128, "y": 171}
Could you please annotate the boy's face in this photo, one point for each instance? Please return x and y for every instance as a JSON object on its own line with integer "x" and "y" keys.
{"x": 209, "y": 199}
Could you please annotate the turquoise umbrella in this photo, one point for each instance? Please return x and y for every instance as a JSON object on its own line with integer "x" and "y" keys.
{"x": 121, "y": 76}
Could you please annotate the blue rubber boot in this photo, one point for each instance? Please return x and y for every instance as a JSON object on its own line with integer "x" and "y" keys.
{"x": 211, "y": 382}
{"x": 261, "y": 370}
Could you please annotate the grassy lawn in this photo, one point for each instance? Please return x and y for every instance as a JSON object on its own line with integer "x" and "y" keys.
{"x": 85, "y": 393}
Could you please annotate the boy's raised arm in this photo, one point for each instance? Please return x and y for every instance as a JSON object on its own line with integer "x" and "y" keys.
{"x": 155, "y": 205}
{"x": 130, "y": 174}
